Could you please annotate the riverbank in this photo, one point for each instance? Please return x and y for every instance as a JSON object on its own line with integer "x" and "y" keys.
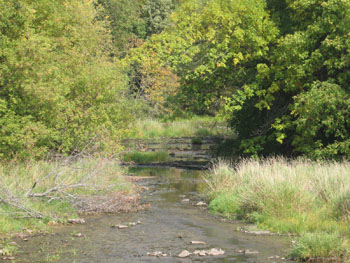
{"x": 37, "y": 194}
{"x": 310, "y": 199}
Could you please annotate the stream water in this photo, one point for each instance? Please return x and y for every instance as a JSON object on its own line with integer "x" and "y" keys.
{"x": 168, "y": 226}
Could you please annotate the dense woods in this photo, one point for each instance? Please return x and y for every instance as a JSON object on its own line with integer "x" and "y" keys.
{"x": 73, "y": 72}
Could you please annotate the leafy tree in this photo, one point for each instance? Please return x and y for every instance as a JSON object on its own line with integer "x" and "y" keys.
{"x": 58, "y": 85}
{"x": 155, "y": 13}
{"x": 208, "y": 44}
{"x": 313, "y": 59}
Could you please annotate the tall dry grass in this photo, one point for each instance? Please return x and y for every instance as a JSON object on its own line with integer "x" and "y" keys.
{"x": 287, "y": 196}
{"x": 33, "y": 193}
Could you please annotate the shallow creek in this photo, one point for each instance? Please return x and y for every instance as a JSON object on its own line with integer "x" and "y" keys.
{"x": 168, "y": 226}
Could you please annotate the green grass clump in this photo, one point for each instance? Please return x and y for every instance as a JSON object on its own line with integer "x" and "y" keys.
{"x": 287, "y": 196}
{"x": 146, "y": 157}
{"x": 319, "y": 246}
{"x": 197, "y": 126}
{"x": 20, "y": 182}
{"x": 197, "y": 141}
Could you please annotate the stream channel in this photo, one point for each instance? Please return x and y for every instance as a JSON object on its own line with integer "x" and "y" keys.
{"x": 168, "y": 226}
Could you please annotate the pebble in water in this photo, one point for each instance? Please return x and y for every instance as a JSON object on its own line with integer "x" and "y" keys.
{"x": 184, "y": 254}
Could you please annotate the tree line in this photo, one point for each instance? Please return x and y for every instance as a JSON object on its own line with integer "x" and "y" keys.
{"x": 76, "y": 71}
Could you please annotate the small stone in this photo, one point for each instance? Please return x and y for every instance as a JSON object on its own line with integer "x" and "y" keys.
{"x": 186, "y": 200}
{"x": 216, "y": 252}
{"x": 200, "y": 252}
{"x": 119, "y": 226}
{"x": 248, "y": 252}
{"x": 132, "y": 224}
{"x": 258, "y": 233}
{"x": 138, "y": 222}
{"x": 184, "y": 254}
{"x": 182, "y": 196}
{"x": 198, "y": 243}
{"x": 201, "y": 204}
{"x": 251, "y": 252}
{"x": 157, "y": 254}
{"x": 78, "y": 235}
{"x": 77, "y": 221}
{"x": 1, "y": 252}
{"x": 25, "y": 239}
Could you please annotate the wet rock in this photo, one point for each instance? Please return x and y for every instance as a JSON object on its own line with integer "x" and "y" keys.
{"x": 200, "y": 252}
{"x": 211, "y": 252}
{"x": 184, "y": 254}
{"x": 186, "y": 200}
{"x": 201, "y": 204}
{"x": 216, "y": 252}
{"x": 77, "y": 221}
{"x": 275, "y": 257}
{"x": 157, "y": 254}
{"x": 119, "y": 226}
{"x": 198, "y": 243}
{"x": 248, "y": 251}
{"x": 258, "y": 232}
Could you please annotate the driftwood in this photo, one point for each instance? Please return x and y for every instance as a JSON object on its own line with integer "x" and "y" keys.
{"x": 57, "y": 188}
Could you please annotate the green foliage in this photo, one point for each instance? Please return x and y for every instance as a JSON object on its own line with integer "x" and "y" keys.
{"x": 59, "y": 87}
{"x": 207, "y": 44}
{"x": 322, "y": 121}
{"x": 155, "y": 14}
{"x": 288, "y": 107}
{"x": 127, "y": 26}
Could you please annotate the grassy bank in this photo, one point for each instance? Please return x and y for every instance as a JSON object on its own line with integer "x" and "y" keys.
{"x": 197, "y": 126}
{"x": 36, "y": 194}
{"x": 146, "y": 157}
{"x": 302, "y": 197}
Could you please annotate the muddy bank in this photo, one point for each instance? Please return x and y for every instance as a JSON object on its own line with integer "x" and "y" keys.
{"x": 168, "y": 226}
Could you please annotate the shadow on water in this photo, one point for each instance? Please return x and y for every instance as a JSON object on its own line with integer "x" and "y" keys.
{"x": 169, "y": 226}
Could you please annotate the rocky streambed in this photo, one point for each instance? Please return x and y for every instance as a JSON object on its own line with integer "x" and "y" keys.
{"x": 176, "y": 228}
